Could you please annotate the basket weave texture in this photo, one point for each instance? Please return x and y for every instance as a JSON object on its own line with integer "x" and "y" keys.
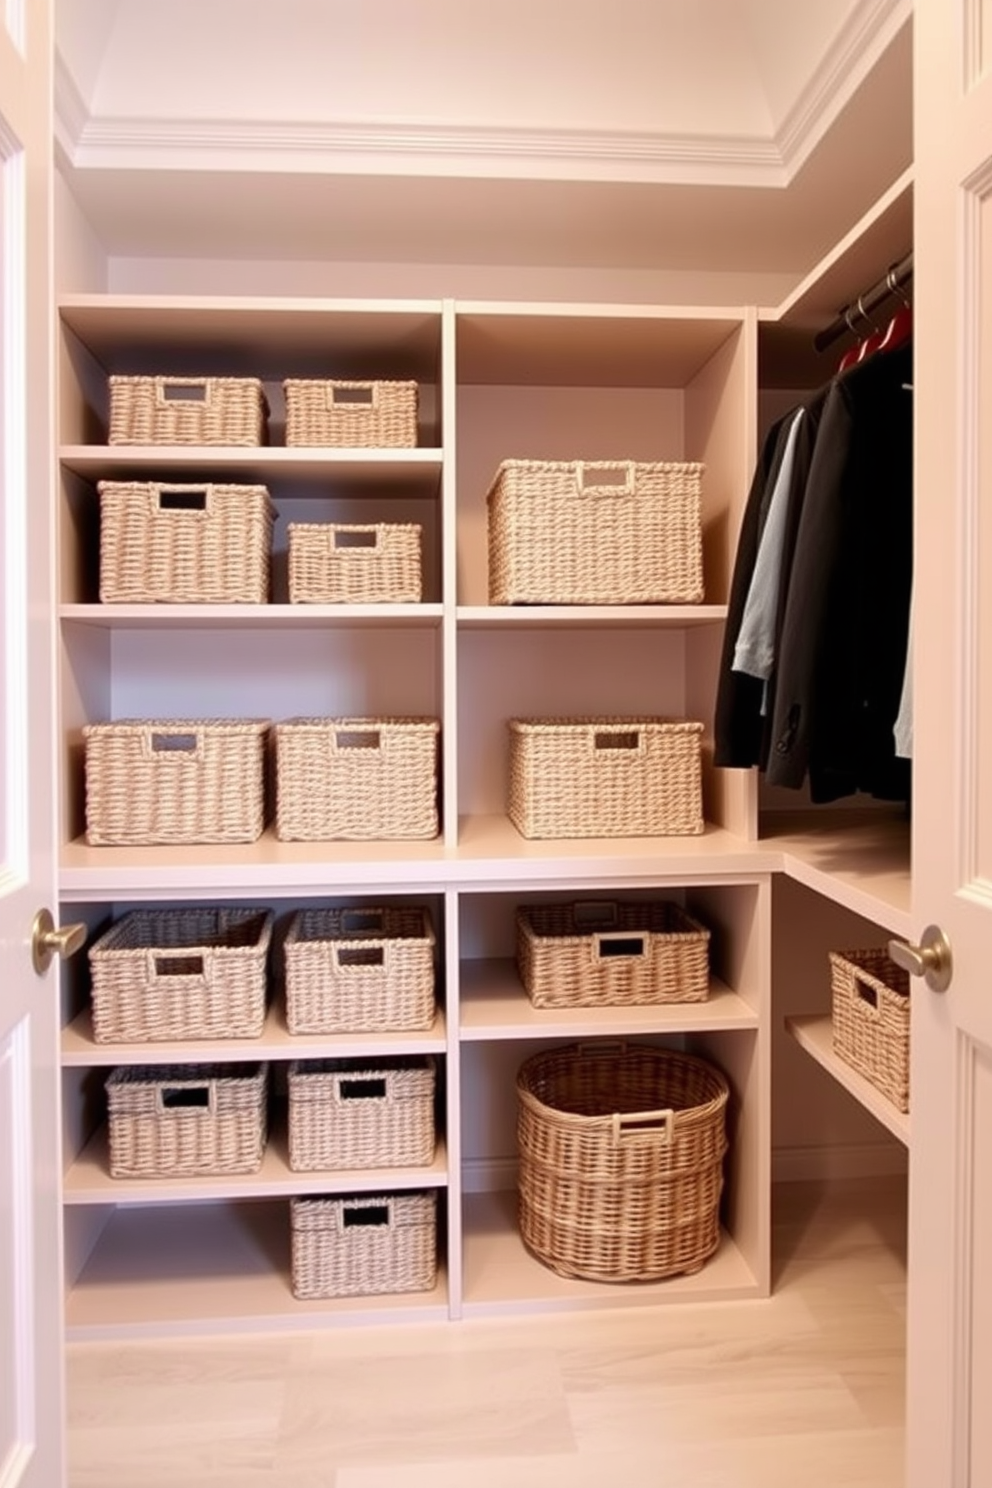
{"x": 364, "y": 1246}
{"x": 345, "y": 1113}
{"x": 621, "y": 1160}
{"x": 870, "y": 997}
{"x": 605, "y": 954}
{"x": 360, "y": 971}
{"x": 605, "y": 777}
{"x": 162, "y": 544}
{"x": 338, "y": 563}
{"x": 181, "y": 974}
{"x": 179, "y": 1120}
{"x": 151, "y": 782}
{"x": 356, "y": 415}
{"x": 595, "y": 532}
{"x": 187, "y": 410}
{"x": 356, "y": 778}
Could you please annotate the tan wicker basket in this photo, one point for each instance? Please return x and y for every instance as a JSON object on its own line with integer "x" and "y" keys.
{"x": 605, "y": 777}
{"x": 344, "y": 1113}
{"x": 621, "y": 1160}
{"x": 338, "y": 563}
{"x": 356, "y": 415}
{"x": 356, "y": 778}
{"x": 599, "y": 953}
{"x": 360, "y": 971}
{"x": 187, "y": 410}
{"x": 171, "y": 1121}
{"x": 163, "y": 544}
{"x": 151, "y": 782}
{"x": 871, "y": 1019}
{"x": 195, "y": 973}
{"x": 595, "y": 532}
{"x": 364, "y": 1245}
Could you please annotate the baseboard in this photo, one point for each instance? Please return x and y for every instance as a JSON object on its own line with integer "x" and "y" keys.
{"x": 842, "y": 1160}
{"x": 489, "y": 1174}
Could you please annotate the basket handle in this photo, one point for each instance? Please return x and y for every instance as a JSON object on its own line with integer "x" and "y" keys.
{"x": 357, "y": 397}
{"x": 186, "y": 1097}
{"x": 354, "y": 539}
{"x": 354, "y": 959}
{"x": 180, "y": 964}
{"x": 614, "y": 743}
{"x": 621, "y": 945}
{"x": 358, "y": 739}
{"x": 183, "y": 501}
{"x": 365, "y": 1216}
{"x": 622, "y": 484}
{"x": 198, "y": 390}
{"x": 633, "y": 1124}
{"x": 180, "y": 744}
{"x": 867, "y": 998}
{"x": 361, "y": 1088}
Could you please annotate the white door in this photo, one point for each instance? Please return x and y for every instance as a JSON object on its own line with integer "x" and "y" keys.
{"x": 950, "y": 1273}
{"x": 30, "y": 1253}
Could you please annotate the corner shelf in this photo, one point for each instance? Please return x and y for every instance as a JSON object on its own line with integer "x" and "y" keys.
{"x": 815, "y": 1035}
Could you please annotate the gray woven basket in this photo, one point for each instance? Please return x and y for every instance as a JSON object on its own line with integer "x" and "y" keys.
{"x": 187, "y": 410}
{"x": 356, "y": 778}
{"x": 170, "y": 1121}
{"x": 350, "y": 414}
{"x": 349, "y": 563}
{"x": 346, "y": 1113}
{"x": 364, "y": 1246}
{"x": 360, "y": 970}
{"x": 871, "y": 1019}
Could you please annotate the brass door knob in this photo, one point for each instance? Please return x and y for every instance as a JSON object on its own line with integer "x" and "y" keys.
{"x": 47, "y": 941}
{"x": 931, "y": 959}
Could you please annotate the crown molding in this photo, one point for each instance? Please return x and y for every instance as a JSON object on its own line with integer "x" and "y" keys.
{"x": 71, "y": 113}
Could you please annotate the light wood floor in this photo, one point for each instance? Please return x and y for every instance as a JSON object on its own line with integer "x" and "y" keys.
{"x": 802, "y": 1391}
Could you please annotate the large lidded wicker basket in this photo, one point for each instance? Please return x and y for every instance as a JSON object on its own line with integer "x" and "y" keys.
{"x": 346, "y": 1113}
{"x": 171, "y": 1121}
{"x": 349, "y": 414}
{"x": 621, "y": 1152}
{"x": 605, "y": 777}
{"x": 360, "y": 970}
{"x": 356, "y": 778}
{"x": 196, "y": 973}
{"x": 364, "y": 1245}
{"x": 595, "y": 532}
{"x": 347, "y": 563}
{"x": 871, "y": 1019}
{"x": 153, "y": 782}
{"x": 600, "y": 953}
{"x": 187, "y": 410}
{"x": 184, "y": 544}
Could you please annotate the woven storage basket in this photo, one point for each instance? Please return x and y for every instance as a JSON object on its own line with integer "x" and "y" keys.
{"x": 595, "y": 532}
{"x": 187, "y": 410}
{"x": 154, "y": 782}
{"x": 335, "y": 563}
{"x": 177, "y": 1120}
{"x": 605, "y": 777}
{"x": 358, "y": 415}
{"x": 181, "y": 974}
{"x": 871, "y": 1019}
{"x": 163, "y": 544}
{"x": 621, "y": 1160}
{"x": 356, "y": 778}
{"x": 364, "y": 1245}
{"x": 359, "y": 971}
{"x": 346, "y": 1113}
{"x": 603, "y": 954}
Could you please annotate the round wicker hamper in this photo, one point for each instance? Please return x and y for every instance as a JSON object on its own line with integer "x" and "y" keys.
{"x": 621, "y": 1152}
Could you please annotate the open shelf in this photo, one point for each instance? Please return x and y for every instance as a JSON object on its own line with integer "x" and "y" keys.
{"x": 250, "y": 616}
{"x": 501, "y": 1276}
{"x": 158, "y": 1272}
{"x": 579, "y": 617}
{"x": 411, "y": 472}
{"x": 88, "y": 1179}
{"x": 80, "y": 1049}
{"x": 494, "y": 1005}
{"x": 859, "y": 859}
{"x": 815, "y": 1035}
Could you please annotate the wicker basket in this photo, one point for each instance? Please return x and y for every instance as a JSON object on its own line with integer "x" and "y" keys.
{"x": 152, "y": 782}
{"x": 344, "y": 1113}
{"x": 194, "y": 973}
{"x": 364, "y": 1245}
{"x": 603, "y": 954}
{"x": 357, "y": 415}
{"x": 187, "y": 410}
{"x": 179, "y": 1120}
{"x": 594, "y": 532}
{"x": 360, "y": 971}
{"x": 162, "y": 544}
{"x": 871, "y": 1019}
{"x": 335, "y": 563}
{"x": 621, "y": 1160}
{"x": 605, "y": 777}
{"x": 356, "y": 778}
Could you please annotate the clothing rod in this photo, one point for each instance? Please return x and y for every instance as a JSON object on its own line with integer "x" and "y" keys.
{"x": 861, "y": 308}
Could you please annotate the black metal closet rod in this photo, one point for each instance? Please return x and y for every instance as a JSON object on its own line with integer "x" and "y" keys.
{"x": 861, "y": 308}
